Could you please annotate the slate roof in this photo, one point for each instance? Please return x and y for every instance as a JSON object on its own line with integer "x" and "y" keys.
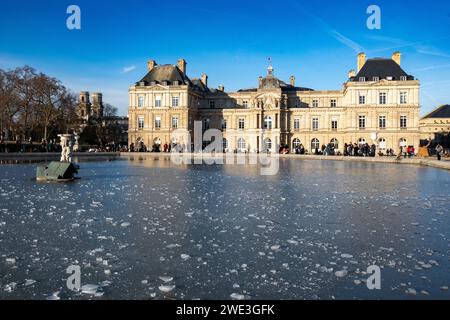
{"x": 439, "y": 113}
{"x": 381, "y": 68}
{"x": 168, "y": 73}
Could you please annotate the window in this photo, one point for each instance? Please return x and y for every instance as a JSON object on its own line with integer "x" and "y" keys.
{"x": 362, "y": 79}
{"x": 174, "y": 122}
{"x": 334, "y": 124}
{"x": 245, "y": 103}
{"x": 361, "y": 141}
{"x": 315, "y": 103}
{"x": 241, "y": 144}
{"x": 335, "y": 143}
{"x": 225, "y": 144}
{"x": 158, "y": 100}
{"x": 382, "y": 122}
{"x": 267, "y": 144}
{"x": 403, "y": 97}
{"x": 315, "y": 124}
{"x": 403, "y": 122}
{"x": 140, "y": 101}
{"x": 157, "y": 122}
{"x": 382, "y": 97}
{"x": 382, "y": 144}
{"x": 241, "y": 125}
{"x": 315, "y": 144}
{"x": 212, "y": 104}
{"x": 403, "y": 142}
{"x": 141, "y": 123}
{"x": 224, "y": 124}
{"x": 268, "y": 123}
{"x": 175, "y": 101}
{"x": 296, "y": 143}
{"x": 333, "y": 103}
{"x": 376, "y": 79}
{"x": 403, "y": 78}
{"x": 362, "y": 99}
{"x": 296, "y": 124}
{"x": 362, "y": 122}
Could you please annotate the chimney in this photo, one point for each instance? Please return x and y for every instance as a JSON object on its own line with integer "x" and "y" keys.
{"x": 292, "y": 80}
{"x": 351, "y": 74}
{"x": 397, "y": 57}
{"x": 221, "y": 88}
{"x": 361, "y": 60}
{"x": 182, "y": 65}
{"x": 205, "y": 79}
{"x": 151, "y": 65}
{"x": 260, "y": 80}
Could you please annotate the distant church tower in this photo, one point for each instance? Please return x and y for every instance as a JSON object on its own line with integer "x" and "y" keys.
{"x": 84, "y": 106}
{"x": 97, "y": 105}
{"x": 88, "y": 110}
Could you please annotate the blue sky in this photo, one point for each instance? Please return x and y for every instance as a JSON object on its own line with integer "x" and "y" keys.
{"x": 317, "y": 41}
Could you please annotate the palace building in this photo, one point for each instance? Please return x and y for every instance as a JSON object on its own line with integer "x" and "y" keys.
{"x": 378, "y": 104}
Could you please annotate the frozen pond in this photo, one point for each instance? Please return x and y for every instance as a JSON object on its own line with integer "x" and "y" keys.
{"x": 153, "y": 230}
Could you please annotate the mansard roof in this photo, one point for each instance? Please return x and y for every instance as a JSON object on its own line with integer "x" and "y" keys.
{"x": 439, "y": 113}
{"x": 165, "y": 73}
{"x": 382, "y": 69}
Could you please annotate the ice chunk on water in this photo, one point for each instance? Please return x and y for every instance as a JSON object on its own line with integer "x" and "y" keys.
{"x": 237, "y": 296}
{"x": 166, "y": 279}
{"x": 185, "y": 257}
{"x": 125, "y": 224}
{"x": 166, "y": 288}
{"x": 54, "y": 296}
{"x": 91, "y": 289}
{"x": 341, "y": 273}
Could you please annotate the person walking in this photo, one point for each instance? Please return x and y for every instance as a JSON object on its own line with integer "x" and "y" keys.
{"x": 439, "y": 151}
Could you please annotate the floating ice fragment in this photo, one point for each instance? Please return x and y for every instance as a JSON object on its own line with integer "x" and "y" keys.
{"x": 346, "y": 256}
{"x": 275, "y": 248}
{"x": 54, "y": 296}
{"x": 90, "y": 289}
{"x": 166, "y": 288}
{"x": 166, "y": 279}
{"x": 237, "y": 296}
{"x": 341, "y": 273}
{"x": 125, "y": 224}
{"x": 10, "y": 260}
{"x": 185, "y": 257}
{"x": 29, "y": 282}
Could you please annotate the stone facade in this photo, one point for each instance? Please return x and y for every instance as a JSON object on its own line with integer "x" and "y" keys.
{"x": 435, "y": 123}
{"x": 377, "y": 104}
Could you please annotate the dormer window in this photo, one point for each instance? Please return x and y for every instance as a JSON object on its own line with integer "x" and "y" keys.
{"x": 389, "y": 78}
{"x": 362, "y": 79}
{"x": 165, "y": 83}
{"x": 376, "y": 79}
{"x": 153, "y": 83}
{"x": 176, "y": 83}
{"x": 142, "y": 83}
{"x": 403, "y": 78}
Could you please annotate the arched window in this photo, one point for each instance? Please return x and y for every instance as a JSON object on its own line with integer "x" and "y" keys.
{"x": 241, "y": 144}
{"x": 268, "y": 123}
{"x": 361, "y": 141}
{"x": 315, "y": 144}
{"x": 335, "y": 143}
{"x": 267, "y": 144}
{"x": 403, "y": 142}
{"x": 296, "y": 143}
{"x": 382, "y": 142}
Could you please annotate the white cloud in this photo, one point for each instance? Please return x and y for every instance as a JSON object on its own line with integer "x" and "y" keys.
{"x": 128, "y": 69}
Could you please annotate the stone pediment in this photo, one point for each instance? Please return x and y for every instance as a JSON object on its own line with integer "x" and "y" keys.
{"x": 267, "y": 101}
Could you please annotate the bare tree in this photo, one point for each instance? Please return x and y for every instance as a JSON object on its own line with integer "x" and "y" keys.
{"x": 109, "y": 110}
